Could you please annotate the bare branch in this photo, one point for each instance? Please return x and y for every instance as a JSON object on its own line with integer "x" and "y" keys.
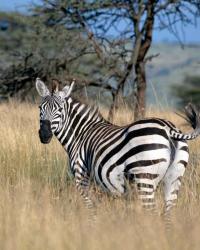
{"x": 151, "y": 57}
{"x": 165, "y": 5}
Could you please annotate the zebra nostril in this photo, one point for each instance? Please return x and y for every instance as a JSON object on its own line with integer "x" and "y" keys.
{"x": 45, "y": 132}
{"x": 45, "y": 137}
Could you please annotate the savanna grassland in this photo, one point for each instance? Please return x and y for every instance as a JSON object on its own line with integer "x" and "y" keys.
{"x": 40, "y": 208}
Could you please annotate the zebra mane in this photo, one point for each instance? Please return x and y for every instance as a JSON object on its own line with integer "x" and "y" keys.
{"x": 90, "y": 108}
{"x": 55, "y": 86}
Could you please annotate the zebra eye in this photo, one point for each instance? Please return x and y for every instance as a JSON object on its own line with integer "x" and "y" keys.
{"x": 60, "y": 109}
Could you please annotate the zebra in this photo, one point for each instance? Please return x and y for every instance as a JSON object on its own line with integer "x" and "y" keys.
{"x": 147, "y": 151}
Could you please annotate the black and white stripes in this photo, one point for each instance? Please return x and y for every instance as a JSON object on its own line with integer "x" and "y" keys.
{"x": 145, "y": 152}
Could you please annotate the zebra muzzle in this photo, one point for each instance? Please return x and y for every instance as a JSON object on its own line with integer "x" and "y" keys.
{"x": 45, "y": 132}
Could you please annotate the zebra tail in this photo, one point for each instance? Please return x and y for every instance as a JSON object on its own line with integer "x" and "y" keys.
{"x": 193, "y": 118}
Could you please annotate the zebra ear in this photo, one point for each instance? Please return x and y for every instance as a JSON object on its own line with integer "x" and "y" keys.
{"x": 66, "y": 91}
{"x": 41, "y": 88}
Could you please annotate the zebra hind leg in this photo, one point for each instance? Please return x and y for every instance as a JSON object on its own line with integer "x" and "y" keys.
{"x": 172, "y": 180}
{"x": 146, "y": 194}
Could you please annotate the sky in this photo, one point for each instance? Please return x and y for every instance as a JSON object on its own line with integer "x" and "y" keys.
{"x": 191, "y": 33}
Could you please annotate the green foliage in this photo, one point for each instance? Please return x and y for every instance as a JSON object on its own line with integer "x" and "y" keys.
{"x": 189, "y": 91}
{"x": 32, "y": 36}
{"x": 31, "y": 47}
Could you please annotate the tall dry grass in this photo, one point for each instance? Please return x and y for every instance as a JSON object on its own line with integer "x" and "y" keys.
{"x": 40, "y": 208}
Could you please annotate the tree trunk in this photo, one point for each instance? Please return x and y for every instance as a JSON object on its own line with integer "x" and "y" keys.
{"x": 140, "y": 63}
{"x": 140, "y": 105}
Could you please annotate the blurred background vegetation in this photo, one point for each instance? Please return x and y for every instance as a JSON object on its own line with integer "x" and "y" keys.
{"x": 89, "y": 41}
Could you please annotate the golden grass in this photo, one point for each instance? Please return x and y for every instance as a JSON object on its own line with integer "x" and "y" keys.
{"x": 40, "y": 208}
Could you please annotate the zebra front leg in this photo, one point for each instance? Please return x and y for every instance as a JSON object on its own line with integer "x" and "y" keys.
{"x": 82, "y": 184}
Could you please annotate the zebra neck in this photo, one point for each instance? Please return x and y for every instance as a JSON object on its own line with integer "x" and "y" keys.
{"x": 79, "y": 119}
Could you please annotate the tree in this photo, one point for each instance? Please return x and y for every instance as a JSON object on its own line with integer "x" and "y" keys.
{"x": 102, "y": 43}
{"x": 124, "y": 54}
{"x": 32, "y": 48}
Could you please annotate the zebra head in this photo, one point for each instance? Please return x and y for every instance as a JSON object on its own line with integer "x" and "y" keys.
{"x": 51, "y": 109}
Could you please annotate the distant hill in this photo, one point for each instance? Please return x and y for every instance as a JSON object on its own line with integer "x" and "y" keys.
{"x": 168, "y": 69}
